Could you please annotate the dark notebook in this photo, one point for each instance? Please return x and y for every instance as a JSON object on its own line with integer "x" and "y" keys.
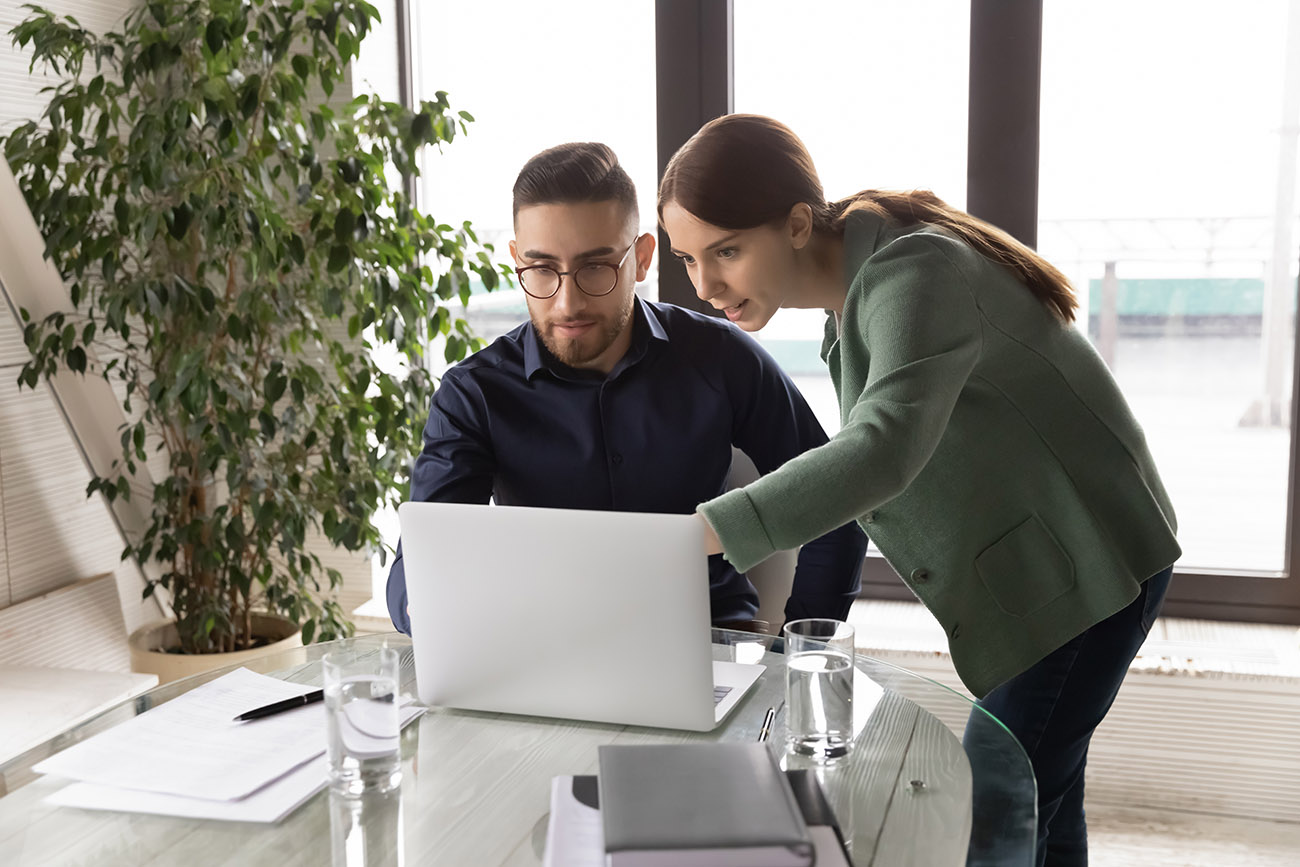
{"x": 700, "y": 805}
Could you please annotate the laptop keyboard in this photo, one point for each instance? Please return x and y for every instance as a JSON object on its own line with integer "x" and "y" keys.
{"x": 720, "y": 692}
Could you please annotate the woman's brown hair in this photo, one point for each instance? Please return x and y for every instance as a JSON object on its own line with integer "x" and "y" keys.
{"x": 741, "y": 171}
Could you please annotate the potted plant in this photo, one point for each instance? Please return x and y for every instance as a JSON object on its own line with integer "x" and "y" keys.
{"x": 236, "y": 250}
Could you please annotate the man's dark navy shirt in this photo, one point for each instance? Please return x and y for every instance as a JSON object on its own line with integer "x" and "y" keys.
{"x": 514, "y": 424}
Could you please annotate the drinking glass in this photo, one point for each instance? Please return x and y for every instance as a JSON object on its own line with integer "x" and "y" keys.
{"x": 819, "y": 688}
{"x": 362, "y": 720}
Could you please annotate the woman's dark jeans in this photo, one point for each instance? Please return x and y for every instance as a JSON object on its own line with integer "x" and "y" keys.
{"x": 1054, "y": 707}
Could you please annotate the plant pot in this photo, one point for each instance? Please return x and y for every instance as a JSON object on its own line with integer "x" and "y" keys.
{"x": 149, "y": 645}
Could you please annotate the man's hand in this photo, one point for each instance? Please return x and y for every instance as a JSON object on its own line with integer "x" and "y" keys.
{"x": 711, "y": 543}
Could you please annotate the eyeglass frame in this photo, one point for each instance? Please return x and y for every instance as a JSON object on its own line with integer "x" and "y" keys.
{"x": 573, "y": 272}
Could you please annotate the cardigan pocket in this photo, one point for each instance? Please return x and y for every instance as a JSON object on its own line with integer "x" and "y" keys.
{"x": 1026, "y": 569}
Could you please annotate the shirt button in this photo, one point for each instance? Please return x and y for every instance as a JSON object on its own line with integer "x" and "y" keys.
{"x": 616, "y": 458}
{"x": 920, "y": 576}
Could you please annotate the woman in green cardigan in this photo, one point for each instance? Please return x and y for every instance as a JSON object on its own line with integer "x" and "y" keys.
{"x": 985, "y": 448}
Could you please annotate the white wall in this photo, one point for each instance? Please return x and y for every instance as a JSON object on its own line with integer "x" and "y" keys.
{"x": 51, "y": 535}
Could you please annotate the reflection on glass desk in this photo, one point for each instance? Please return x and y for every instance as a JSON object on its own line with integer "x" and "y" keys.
{"x": 931, "y": 780}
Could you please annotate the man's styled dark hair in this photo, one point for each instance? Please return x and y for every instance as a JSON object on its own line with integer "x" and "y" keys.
{"x": 574, "y": 172}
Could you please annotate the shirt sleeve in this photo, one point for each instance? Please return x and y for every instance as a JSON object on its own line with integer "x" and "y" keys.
{"x": 773, "y": 424}
{"x": 456, "y": 465}
{"x": 911, "y": 313}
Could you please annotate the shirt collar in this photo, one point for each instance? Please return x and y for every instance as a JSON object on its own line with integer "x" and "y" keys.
{"x": 646, "y": 328}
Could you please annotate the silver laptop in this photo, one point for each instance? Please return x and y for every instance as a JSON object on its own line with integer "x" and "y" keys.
{"x": 600, "y": 616}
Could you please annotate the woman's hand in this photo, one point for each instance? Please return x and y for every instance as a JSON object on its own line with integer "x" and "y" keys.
{"x": 711, "y": 543}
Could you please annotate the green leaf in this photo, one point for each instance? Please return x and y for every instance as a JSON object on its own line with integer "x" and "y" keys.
{"x": 350, "y": 169}
{"x": 215, "y": 35}
{"x": 250, "y": 95}
{"x": 275, "y": 385}
{"x": 266, "y": 422}
{"x": 340, "y": 256}
{"x": 181, "y": 217}
{"x": 302, "y": 69}
{"x": 77, "y": 360}
{"x": 344, "y": 222}
{"x": 422, "y": 128}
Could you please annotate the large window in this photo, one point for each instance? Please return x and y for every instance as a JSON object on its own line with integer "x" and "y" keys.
{"x": 1165, "y": 187}
{"x": 1167, "y": 194}
{"x": 876, "y": 109}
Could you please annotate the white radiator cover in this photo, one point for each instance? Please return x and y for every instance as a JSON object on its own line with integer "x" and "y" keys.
{"x": 1208, "y": 719}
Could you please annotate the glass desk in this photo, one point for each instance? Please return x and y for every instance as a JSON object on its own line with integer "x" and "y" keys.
{"x": 931, "y": 780}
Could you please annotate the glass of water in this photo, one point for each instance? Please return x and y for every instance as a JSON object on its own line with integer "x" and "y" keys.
{"x": 819, "y": 688}
{"x": 362, "y": 720}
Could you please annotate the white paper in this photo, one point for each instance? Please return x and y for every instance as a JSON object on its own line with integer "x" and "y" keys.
{"x": 574, "y": 834}
{"x": 192, "y": 746}
{"x": 268, "y": 804}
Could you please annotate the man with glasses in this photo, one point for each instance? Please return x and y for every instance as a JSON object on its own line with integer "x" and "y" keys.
{"x": 606, "y": 401}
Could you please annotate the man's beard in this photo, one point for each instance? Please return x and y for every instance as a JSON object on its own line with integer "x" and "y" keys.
{"x": 583, "y": 350}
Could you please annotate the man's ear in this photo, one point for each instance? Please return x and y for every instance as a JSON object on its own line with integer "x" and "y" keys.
{"x": 645, "y": 251}
{"x": 799, "y": 225}
{"x": 514, "y": 252}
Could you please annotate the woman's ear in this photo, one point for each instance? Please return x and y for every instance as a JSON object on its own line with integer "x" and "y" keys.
{"x": 800, "y": 225}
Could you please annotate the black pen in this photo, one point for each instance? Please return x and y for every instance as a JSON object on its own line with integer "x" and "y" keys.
{"x": 767, "y": 724}
{"x": 278, "y": 706}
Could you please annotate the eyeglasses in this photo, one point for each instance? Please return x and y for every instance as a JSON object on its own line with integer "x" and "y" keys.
{"x": 594, "y": 278}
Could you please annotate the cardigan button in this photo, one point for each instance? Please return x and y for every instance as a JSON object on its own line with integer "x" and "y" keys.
{"x": 869, "y": 518}
{"x": 920, "y": 576}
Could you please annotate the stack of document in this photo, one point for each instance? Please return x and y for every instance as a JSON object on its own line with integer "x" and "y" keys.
{"x": 190, "y": 758}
